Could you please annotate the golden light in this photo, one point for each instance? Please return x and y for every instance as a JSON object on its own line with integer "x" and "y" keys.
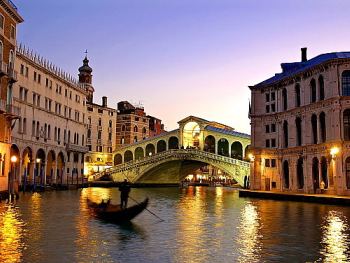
{"x": 334, "y": 151}
{"x": 38, "y": 160}
{"x": 14, "y": 159}
{"x": 251, "y": 157}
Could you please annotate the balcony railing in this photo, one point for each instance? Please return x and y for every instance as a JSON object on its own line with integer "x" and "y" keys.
{"x": 99, "y": 141}
{"x": 70, "y": 147}
{"x": 12, "y": 74}
{"x": 12, "y": 110}
{"x": 12, "y": 4}
{"x": 99, "y": 128}
{"x": 88, "y": 141}
{"x": 2, "y": 106}
{"x": 3, "y": 69}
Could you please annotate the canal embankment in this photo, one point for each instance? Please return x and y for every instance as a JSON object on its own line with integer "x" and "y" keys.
{"x": 282, "y": 196}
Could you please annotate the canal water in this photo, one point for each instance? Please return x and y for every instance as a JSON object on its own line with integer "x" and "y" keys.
{"x": 202, "y": 224}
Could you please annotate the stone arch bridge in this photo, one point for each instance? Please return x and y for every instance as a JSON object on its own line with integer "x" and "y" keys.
{"x": 169, "y": 157}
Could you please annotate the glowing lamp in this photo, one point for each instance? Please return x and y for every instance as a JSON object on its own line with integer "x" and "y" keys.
{"x": 13, "y": 159}
{"x": 334, "y": 151}
{"x": 251, "y": 157}
{"x": 38, "y": 160}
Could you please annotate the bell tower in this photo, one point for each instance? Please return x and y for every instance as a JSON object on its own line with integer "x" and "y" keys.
{"x": 85, "y": 77}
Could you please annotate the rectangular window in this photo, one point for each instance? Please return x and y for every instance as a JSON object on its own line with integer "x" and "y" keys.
{"x": 2, "y": 22}
{"x": 267, "y": 108}
{"x": 100, "y": 111}
{"x": 273, "y": 143}
{"x": 267, "y": 128}
{"x": 273, "y": 162}
{"x": 267, "y": 97}
{"x": 267, "y": 162}
{"x": 273, "y": 127}
{"x": 27, "y": 71}
{"x": 34, "y": 75}
{"x": 13, "y": 32}
{"x": 273, "y": 107}
{"x": 267, "y": 143}
{"x": 22, "y": 69}
{"x": 24, "y": 125}
{"x": 273, "y": 96}
{"x": 39, "y": 78}
{"x": 47, "y": 82}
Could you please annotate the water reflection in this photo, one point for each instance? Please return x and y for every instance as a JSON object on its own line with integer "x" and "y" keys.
{"x": 11, "y": 233}
{"x": 335, "y": 240}
{"x": 248, "y": 236}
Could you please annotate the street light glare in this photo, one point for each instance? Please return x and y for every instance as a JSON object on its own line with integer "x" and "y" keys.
{"x": 13, "y": 159}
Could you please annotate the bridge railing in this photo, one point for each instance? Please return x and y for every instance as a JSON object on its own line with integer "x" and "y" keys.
{"x": 166, "y": 154}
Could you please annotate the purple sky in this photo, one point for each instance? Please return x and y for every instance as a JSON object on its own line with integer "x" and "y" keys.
{"x": 183, "y": 57}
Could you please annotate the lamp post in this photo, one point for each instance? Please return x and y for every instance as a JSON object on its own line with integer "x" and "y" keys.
{"x": 38, "y": 161}
{"x": 12, "y": 177}
{"x": 334, "y": 152}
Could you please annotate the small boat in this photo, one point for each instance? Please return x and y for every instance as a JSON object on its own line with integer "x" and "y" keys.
{"x": 114, "y": 213}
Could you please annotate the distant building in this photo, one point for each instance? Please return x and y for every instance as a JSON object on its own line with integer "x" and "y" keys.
{"x": 101, "y": 125}
{"x": 132, "y": 124}
{"x": 155, "y": 126}
{"x": 300, "y": 125}
{"x": 9, "y": 19}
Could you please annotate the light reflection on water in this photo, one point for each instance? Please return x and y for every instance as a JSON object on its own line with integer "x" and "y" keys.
{"x": 202, "y": 224}
{"x": 249, "y": 235}
{"x": 11, "y": 233}
{"x": 335, "y": 239}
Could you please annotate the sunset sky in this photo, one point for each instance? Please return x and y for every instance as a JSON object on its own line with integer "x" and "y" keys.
{"x": 183, "y": 57}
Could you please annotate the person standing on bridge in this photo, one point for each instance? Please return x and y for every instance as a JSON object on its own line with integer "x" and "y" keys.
{"x": 124, "y": 189}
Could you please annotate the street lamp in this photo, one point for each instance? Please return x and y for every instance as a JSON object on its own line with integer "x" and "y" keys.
{"x": 13, "y": 175}
{"x": 251, "y": 157}
{"x": 38, "y": 161}
{"x": 334, "y": 151}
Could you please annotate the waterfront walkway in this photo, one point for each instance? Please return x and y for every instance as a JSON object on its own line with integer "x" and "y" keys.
{"x": 299, "y": 197}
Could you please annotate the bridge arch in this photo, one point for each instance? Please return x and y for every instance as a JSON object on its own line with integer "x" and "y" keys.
{"x": 128, "y": 156}
{"x": 118, "y": 159}
{"x": 237, "y": 150}
{"x": 139, "y": 153}
{"x": 223, "y": 147}
{"x": 150, "y": 149}
{"x": 173, "y": 142}
{"x": 161, "y": 146}
{"x": 209, "y": 144}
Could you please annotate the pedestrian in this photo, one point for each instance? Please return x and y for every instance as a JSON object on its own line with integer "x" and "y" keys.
{"x": 124, "y": 189}
{"x": 322, "y": 186}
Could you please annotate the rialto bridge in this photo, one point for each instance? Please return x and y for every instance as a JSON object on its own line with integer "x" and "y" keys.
{"x": 167, "y": 158}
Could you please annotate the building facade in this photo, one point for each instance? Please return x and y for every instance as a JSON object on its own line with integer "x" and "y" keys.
{"x": 101, "y": 127}
{"x": 155, "y": 126}
{"x": 9, "y": 19}
{"x": 132, "y": 124}
{"x": 300, "y": 127}
{"x": 49, "y": 136}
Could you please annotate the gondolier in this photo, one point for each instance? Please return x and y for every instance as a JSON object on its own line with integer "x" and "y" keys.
{"x": 124, "y": 189}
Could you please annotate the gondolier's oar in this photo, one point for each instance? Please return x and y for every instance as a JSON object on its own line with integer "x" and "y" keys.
{"x": 147, "y": 209}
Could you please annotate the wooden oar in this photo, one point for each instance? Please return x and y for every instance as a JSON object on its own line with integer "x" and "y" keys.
{"x": 147, "y": 209}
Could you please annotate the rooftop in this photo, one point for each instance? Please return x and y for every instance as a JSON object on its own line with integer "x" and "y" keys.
{"x": 227, "y": 131}
{"x": 294, "y": 68}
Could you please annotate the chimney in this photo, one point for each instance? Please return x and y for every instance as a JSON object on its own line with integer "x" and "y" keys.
{"x": 303, "y": 54}
{"x": 104, "y": 101}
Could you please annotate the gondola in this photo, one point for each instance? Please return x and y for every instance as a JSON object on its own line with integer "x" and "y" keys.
{"x": 115, "y": 214}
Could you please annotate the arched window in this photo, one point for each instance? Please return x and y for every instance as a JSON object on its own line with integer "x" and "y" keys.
{"x": 136, "y": 129}
{"x": 298, "y": 128}
{"x": 300, "y": 173}
{"x": 144, "y": 131}
{"x": 345, "y": 82}
{"x": 323, "y": 126}
{"x": 285, "y": 174}
{"x": 321, "y": 87}
{"x": 11, "y": 60}
{"x": 314, "y": 128}
{"x": 284, "y": 99}
{"x": 324, "y": 171}
{"x": 297, "y": 95}
{"x": 110, "y": 124}
{"x": 346, "y": 124}
{"x": 347, "y": 169}
{"x": 315, "y": 174}
{"x": 312, "y": 90}
{"x": 285, "y": 134}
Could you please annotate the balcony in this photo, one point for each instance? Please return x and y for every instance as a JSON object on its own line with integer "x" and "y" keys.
{"x": 99, "y": 142}
{"x": 3, "y": 69}
{"x": 89, "y": 126}
{"x": 88, "y": 141}
{"x": 99, "y": 128}
{"x": 70, "y": 147}
{"x": 9, "y": 110}
{"x": 12, "y": 74}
